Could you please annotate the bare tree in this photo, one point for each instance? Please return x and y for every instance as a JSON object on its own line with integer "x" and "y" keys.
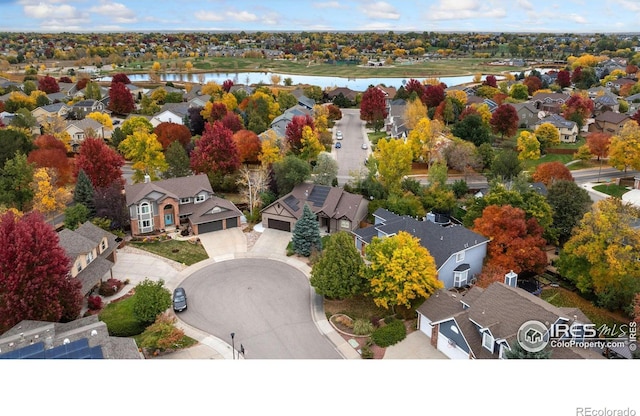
{"x": 253, "y": 182}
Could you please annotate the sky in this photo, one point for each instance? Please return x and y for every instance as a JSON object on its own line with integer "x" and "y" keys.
{"x": 566, "y": 16}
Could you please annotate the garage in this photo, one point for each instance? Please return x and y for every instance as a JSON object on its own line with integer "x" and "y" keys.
{"x": 208, "y": 227}
{"x": 232, "y": 222}
{"x": 279, "y": 225}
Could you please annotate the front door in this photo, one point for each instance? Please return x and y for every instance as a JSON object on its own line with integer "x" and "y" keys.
{"x": 168, "y": 219}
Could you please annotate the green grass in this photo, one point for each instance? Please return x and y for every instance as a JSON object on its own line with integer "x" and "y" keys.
{"x": 563, "y": 298}
{"x": 374, "y": 137}
{"x": 579, "y": 143}
{"x": 612, "y": 189}
{"x": 187, "y": 253}
{"x": 358, "y": 307}
{"x": 119, "y": 319}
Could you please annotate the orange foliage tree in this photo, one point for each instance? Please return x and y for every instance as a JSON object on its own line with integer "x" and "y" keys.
{"x": 516, "y": 242}
{"x": 52, "y": 153}
{"x": 549, "y": 172}
{"x": 249, "y": 145}
{"x": 598, "y": 144}
{"x": 168, "y": 133}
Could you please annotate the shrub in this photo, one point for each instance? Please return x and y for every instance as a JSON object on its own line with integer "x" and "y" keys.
{"x": 362, "y": 327}
{"x": 95, "y": 303}
{"x": 110, "y": 287}
{"x": 120, "y": 320}
{"x": 366, "y": 353}
{"x": 390, "y": 334}
{"x": 162, "y": 334}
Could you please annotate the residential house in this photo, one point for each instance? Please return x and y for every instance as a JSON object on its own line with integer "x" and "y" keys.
{"x": 484, "y": 323}
{"x": 458, "y": 252}
{"x": 136, "y": 92}
{"x": 606, "y": 102}
{"x": 171, "y": 113}
{"x": 617, "y": 84}
{"x": 395, "y": 122}
{"x": 568, "y": 129}
{"x": 551, "y": 102}
{"x": 165, "y": 205}
{"x": 92, "y": 252}
{"x": 528, "y": 114}
{"x": 47, "y": 112}
{"x": 609, "y": 122}
{"x": 347, "y": 93}
{"x": 279, "y": 124}
{"x": 83, "y": 108}
{"x": 84, "y": 338}
{"x": 78, "y": 130}
{"x": 633, "y": 102}
{"x": 336, "y": 209}
{"x": 477, "y": 100}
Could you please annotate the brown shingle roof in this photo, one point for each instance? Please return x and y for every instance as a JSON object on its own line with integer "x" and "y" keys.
{"x": 203, "y": 212}
{"x": 183, "y": 187}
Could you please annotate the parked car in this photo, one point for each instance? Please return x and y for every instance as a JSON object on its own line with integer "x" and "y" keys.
{"x": 364, "y": 145}
{"x": 179, "y": 300}
{"x": 338, "y": 145}
{"x": 339, "y": 135}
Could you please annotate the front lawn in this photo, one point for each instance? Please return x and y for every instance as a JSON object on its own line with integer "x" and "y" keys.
{"x": 180, "y": 251}
{"x": 358, "y": 307}
{"x": 564, "y": 298}
{"x": 611, "y": 189}
{"x": 119, "y": 319}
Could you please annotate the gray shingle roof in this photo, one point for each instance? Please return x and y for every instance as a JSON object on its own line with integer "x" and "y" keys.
{"x": 203, "y": 212}
{"x": 183, "y": 187}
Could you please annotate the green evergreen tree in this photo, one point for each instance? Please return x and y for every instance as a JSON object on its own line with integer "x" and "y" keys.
{"x": 339, "y": 271}
{"x": 84, "y": 193}
{"x": 15, "y": 182}
{"x": 178, "y": 161}
{"x": 75, "y": 215}
{"x": 306, "y": 233}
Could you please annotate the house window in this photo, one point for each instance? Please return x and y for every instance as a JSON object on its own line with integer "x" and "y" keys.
{"x": 487, "y": 341}
{"x": 344, "y": 224}
{"x": 459, "y": 256}
{"x": 185, "y": 200}
{"x": 144, "y": 208}
{"x": 502, "y": 352}
{"x": 460, "y": 278}
{"x": 89, "y": 257}
{"x": 103, "y": 246}
{"x": 200, "y": 198}
{"x": 79, "y": 267}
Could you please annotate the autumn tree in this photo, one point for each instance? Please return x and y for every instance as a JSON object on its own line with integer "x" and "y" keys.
{"x": 516, "y": 243}
{"x": 433, "y": 95}
{"x": 373, "y": 108}
{"x": 325, "y": 172}
{"x": 504, "y": 120}
{"x": 519, "y": 92}
{"x": 401, "y": 271}
{"x": 533, "y": 84}
{"x": 83, "y": 193}
{"x": 252, "y": 183}
{"x": 214, "y": 111}
{"x": 233, "y": 122}
{"x": 289, "y": 172}
{"x": 601, "y": 257}
{"x": 102, "y": 118}
{"x": 624, "y": 150}
{"x": 196, "y": 121}
{"x": 394, "y": 162}
{"x": 462, "y": 156}
{"x": 271, "y": 150}
{"x": 145, "y": 151}
{"x": 414, "y": 111}
{"x": 34, "y": 281}
{"x": 306, "y": 233}
{"x": 102, "y": 164}
{"x": 423, "y": 140}
{"x": 48, "y": 84}
{"x": 216, "y": 152}
{"x": 110, "y": 203}
{"x": 52, "y": 153}
{"x": 548, "y": 136}
{"x": 550, "y": 172}
{"x": 578, "y": 108}
{"x": 121, "y": 78}
{"x": 293, "y": 132}
{"x": 598, "y": 144}
{"x": 168, "y": 133}
{"x": 569, "y": 203}
{"x": 47, "y": 197}
{"x": 248, "y": 144}
{"x": 120, "y": 99}
{"x": 177, "y": 161}
{"x": 564, "y": 78}
{"x": 338, "y": 273}
{"x": 16, "y": 177}
{"x": 311, "y": 146}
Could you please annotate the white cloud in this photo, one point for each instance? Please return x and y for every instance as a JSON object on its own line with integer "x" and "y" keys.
{"x": 525, "y": 4}
{"x": 271, "y": 19}
{"x": 242, "y": 16}
{"x": 464, "y": 9}
{"x": 209, "y": 16}
{"x": 328, "y": 5}
{"x": 228, "y": 16}
{"x": 380, "y": 10}
{"x": 116, "y": 12}
{"x": 632, "y": 6}
{"x": 577, "y": 18}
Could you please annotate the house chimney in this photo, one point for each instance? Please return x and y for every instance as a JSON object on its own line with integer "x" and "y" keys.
{"x": 147, "y": 178}
{"x": 511, "y": 279}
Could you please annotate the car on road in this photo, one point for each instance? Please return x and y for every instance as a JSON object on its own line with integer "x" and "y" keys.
{"x": 364, "y": 145}
{"x": 338, "y": 145}
{"x": 179, "y": 300}
{"x": 339, "y": 135}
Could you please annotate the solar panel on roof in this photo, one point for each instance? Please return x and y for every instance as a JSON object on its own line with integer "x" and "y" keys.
{"x": 27, "y": 352}
{"x": 292, "y": 202}
{"x": 318, "y": 195}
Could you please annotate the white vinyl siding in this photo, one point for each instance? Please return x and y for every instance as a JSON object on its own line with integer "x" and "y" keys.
{"x": 460, "y": 278}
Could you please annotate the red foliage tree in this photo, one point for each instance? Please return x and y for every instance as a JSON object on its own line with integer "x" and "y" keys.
{"x": 34, "y": 281}
{"x": 564, "y": 78}
{"x": 121, "y": 78}
{"x": 334, "y": 112}
{"x": 48, "y": 84}
{"x": 215, "y": 151}
{"x": 65, "y": 80}
{"x": 576, "y": 75}
{"x": 631, "y": 69}
{"x": 171, "y": 132}
{"x": 218, "y": 111}
{"x": 499, "y": 97}
{"x": 415, "y": 86}
{"x": 373, "y": 107}
{"x": 636, "y": 117}
{"x": 433, "y": 95}
{"x": 578, "y": 108}
{"x": 467, "y": 111}
{"x": 491, "y": 81}
{"x": 120, "y": 99}
{"x": 516, "y": 243}
{"x": 226, "y": 85}
{"x": 82, "y": 83}
{"x": 101, "y": 163}
{"x": 504, "y": 120}
{"x": 598, "y": 144}
{"x": 293, "y": 132}
{"x": 533, "y": 83}
{"x": 249, "y": 145}
{"x": 550, "y": 172}
{"x": 52, "y": 153}
{"x": 232, "y": 121}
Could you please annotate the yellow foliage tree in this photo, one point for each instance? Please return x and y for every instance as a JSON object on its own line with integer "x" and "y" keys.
{"x": 188, "y": 66}
{"x": 394, "y": 162}
{"x": 311, "y": 146}
{"x": 156, "y": 67}
{"x": 102, "y": 118}
{"x": 271, "y": 152}
{"x": 528, "y": 146}
{"x": 145, "y": 151}
{"x": 401, "y": 271}
{"x": 230, "y": 101}
{"x": 421, "y": 139}
{"x": 624, "y": 150}
{"x": 548, "y": 135}
{"x": 212, "y": 88}
{"x": 414, "y": 111}
{"x": 458, "y": 95}
{"x": 47, "y": 198}
{"x": 484, "y": 111}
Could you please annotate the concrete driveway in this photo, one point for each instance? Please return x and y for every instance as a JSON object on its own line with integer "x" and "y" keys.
{"x": 415, "y": 346}
{"x": 272, "y": 242}
{"x": 224, "y": 242}
{"x": 136, "y": 267}
{"x": 266, "y": 303}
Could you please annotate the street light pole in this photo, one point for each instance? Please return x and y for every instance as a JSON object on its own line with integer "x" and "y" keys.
{"x": 233, "y": 348}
